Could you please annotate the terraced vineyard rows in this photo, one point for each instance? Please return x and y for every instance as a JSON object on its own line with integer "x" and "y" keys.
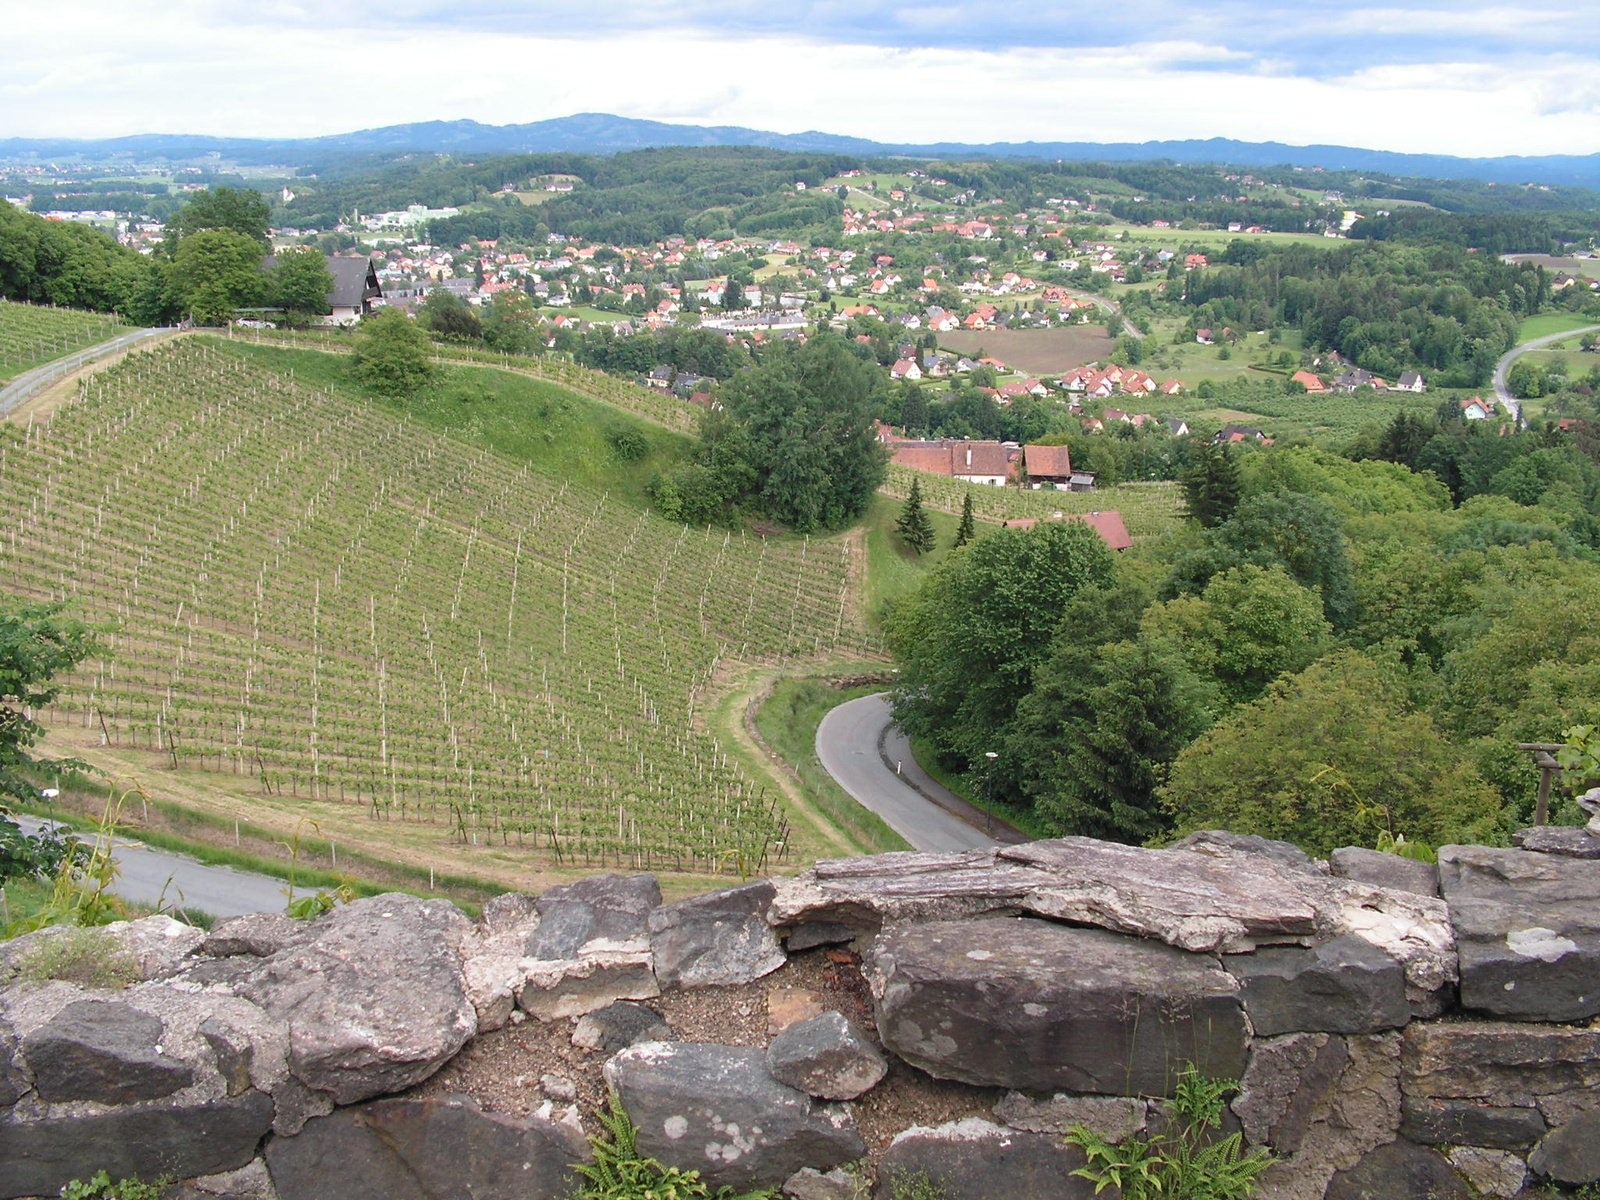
{"x": 31, "y": 334}
{"x": 340, "y": 605}
{"x": 1147, "y": 508}
{"x": 661, "y": 407}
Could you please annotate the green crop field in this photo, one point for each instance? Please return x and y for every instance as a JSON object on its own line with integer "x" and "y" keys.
{"x": 308, "y": 595}
{"x": 32, "y": 334}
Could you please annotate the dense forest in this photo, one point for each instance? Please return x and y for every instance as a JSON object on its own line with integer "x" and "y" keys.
{"x": 1334, "y": 649}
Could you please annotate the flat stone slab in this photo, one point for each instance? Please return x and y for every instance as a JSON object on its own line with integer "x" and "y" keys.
{"x": 1347, "y": 985}
{"x": 1499, "y": 1063}
{"x": 1031, "y": 1005}
{"x": 828, "y": 1056}
{"x": 1527, "y": 929}
{"x": 1569, "y": 841}
{"x": 715, "y": 940}
{"x": 1194, "y": 901}
{"x": 1399, "y": 1169}
{"x": 1385, "y": 870}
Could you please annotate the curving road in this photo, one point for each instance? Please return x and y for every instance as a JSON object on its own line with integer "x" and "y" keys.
{"x": 1503, "y": 367}
{"x": 860, "y": 746}
{"x": 160, "y": 877}
{"x": 30, "y": 383}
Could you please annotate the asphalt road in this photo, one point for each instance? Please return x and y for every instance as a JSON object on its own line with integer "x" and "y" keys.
{"x": 1503, "y": 367}
{"x": 859, "y": 745}
{"x": 30, "y": 383}
{"x": 160, "y": 877}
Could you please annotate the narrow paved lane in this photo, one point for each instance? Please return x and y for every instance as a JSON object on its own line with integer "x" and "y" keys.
{"x": 1502, "y": 368}
{"x": 31, "y": 383}
{"x": 860, "y": 746}
{"x": 160, "y": 877}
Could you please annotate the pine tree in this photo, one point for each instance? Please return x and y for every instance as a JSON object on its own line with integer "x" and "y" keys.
{"x": 914, "y": 526}
{"x": 965, "y": 531}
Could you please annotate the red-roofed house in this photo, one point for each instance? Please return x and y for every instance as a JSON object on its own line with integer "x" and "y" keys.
{"x": 1312, "y": 383}
{"x": 1108, "y": 525}
{"x": 988, "y": 463}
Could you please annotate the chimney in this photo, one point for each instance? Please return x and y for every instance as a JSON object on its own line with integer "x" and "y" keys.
{"x": 969, "y": 456}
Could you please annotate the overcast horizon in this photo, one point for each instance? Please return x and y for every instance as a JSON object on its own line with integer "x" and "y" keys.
{"x": 1423, "y": 77}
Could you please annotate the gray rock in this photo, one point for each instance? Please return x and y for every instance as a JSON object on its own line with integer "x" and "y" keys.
{"x": 375, "y": 1000}
{"x": 716, "y": 939}
{"x": 294, "y": 1104}
{"x": 13, "y": 1081}
{"x": 810, "y": 934}
{"x": 828, "y": 1057}
{"x": 1189, "y": 899}
{"x": 602, "y": 973}
{"x": 1213, "y": 841}
{"x": 1568, "y": 841}
{"x": 907, "y": 885}
{"x": 715, "y": 1109}
{"x": 233, "y": 1052}
{"x": 437, "y": 1148}
{"x": 1289, "y": 1080}
{"x": 838, "y": 1184}
{"x": 249, "y": 1182}
{"x": 1385, "y": 870}
{"x": 975, "y": 1159}
{"x": 1504, "y": 1064}
{"x": 1571, "y": 1153}
{"x": 1115, "y": 1118}
{"x": 39, "y": 1158}
{"x": 618, "y": 1026}
{"x": 1528, "y": 932}
{"x": 1429, "y": 1121}
{"x": 507, "y": 911}
{"x": 1399, "y": 1170}
{"x": 559, "y": 1088}
{"x": 1031, "y": 1005}
{"x": 103, "y": 1051}
{"x": 257, "y": 934}
{"x": 159, "y": 945}
{"x": 1347, "y": 985}
{"x": 562, "y": 929}
{"x": 1490, "y": 1172}
{"x": 618, "y": 909}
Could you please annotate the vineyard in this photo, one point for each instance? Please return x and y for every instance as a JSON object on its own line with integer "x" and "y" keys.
{"x": 32, "y": 334}
{"x": 340, "y": 605}
{"x": 660, "y": 407}
{"x": 1147, "y": 508}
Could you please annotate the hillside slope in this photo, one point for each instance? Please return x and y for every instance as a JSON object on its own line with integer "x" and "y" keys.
{"x": 340, "y": 604}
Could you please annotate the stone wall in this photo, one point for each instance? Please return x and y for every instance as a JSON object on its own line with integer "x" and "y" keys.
{"x": 1398, "y": 1029}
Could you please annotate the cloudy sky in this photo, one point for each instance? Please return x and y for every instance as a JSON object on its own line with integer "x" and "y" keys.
{"x": 1426, "y": 76}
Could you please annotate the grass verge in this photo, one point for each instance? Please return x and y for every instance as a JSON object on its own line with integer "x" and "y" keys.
{"x": 963, "y": 785}
{"x": 787, "y": 722}
{"x": 893, "y": 569}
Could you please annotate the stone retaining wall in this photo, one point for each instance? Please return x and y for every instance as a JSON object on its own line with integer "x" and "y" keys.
{"x": 1398, "y": 1029}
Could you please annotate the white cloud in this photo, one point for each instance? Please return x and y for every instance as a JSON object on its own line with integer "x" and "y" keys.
{"x": 180, "y": 69}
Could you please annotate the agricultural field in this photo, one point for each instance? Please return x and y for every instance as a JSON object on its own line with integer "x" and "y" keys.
{"x": 32, "y": 334}
{"x": 1037, "y": 351}
{"x": 1549, "y": 323}
{"x": 1148, "y": 509}
{"x": 307, "y": 596}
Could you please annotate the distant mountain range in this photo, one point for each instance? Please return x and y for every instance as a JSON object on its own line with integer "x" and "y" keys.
{"x": 602, "y": 133}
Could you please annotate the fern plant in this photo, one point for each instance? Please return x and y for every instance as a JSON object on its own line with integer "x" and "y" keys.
{"x": 620, "y": 1173}
{"x": 1182, "y": 1162}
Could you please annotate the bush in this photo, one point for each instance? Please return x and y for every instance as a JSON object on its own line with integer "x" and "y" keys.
{"x": 392, "y": 354}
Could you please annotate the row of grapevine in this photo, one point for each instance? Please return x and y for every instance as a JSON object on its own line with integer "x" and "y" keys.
{"x": 31, "y": 334}
{"x": 341, "y": 605}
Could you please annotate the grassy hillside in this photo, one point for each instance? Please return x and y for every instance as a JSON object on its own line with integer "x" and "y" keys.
{"x": 309, "y": 596}
{"x": 34, "y": 334}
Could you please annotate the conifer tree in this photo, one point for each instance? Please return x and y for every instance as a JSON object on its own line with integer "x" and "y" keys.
{"x": 965, "y": 531}
{"x": 914, "y": 525}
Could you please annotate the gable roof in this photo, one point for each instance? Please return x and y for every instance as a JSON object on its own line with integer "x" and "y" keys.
{"x": 1048, "y": 460}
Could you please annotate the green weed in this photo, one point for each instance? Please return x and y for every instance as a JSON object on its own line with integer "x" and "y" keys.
{"x": 86, "y": 956}
{"x": 100, "y": 1187}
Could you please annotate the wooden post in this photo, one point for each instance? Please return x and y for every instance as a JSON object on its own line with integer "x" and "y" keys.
{"x": 1548, "y": 767}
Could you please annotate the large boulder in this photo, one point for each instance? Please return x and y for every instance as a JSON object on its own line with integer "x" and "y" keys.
{"x": 260, "y": 935}
{"x": 1528, "y": 931}
{"x": 976, "y": 1159}
{"x": 828, "y": 1057}
{"x": 1571, "y": 1153}
{"x": 105, "y": 1051}
{"x": 38, "y": 1158}
{"x": 716, "y": 939}
{"x": 614, "y": 908}
{"x": 1347, "y": 985}
{"x": 1385, "y": 870}
{"x": 1399, "y": 1169}
{"x": 436, "y": 1148}
{"x": 374, "y": 1000}
{"x": 1029, "y": 1004}
{"x": 714, "y": 1109}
